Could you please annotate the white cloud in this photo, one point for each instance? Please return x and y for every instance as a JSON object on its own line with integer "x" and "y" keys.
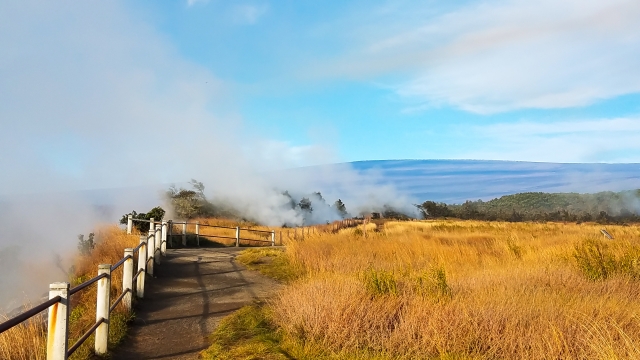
{"x": 501, "y": 55}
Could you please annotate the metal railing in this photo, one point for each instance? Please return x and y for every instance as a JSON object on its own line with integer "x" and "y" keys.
{"x": 60, "y": 293}
{"x": 149, "y": 252}
{"x": 238, "y": 231}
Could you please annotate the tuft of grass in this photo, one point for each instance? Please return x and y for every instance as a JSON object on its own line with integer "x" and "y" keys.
{"x": 379, "y": 282}
{"x": 26, "y": 341}
{"x": 246, "y": 334}
{"x": 598, "y": 260}
{"x": 433, "y": 283}
{"x": 270, "y": 262}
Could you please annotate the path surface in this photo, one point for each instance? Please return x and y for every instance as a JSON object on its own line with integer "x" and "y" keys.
{"x": 192, "y": 291}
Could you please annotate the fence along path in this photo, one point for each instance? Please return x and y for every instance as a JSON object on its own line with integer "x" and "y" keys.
{"x": 149, "y": 253}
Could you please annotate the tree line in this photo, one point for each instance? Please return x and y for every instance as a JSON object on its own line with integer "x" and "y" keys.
{"x": 601, "y": 207}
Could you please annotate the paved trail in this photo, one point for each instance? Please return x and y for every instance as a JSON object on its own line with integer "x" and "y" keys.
{"x": 192, "y": 291}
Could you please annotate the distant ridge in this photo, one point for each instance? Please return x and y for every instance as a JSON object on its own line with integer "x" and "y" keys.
{"x": 454, "y": 181}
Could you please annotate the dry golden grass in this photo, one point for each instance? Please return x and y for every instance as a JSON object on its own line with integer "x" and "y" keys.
{"x": 462, "y": 290}
{"x": 28, "y": 340}
{"x": 25, "y": 341}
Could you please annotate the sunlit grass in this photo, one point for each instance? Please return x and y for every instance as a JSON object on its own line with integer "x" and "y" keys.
{"x": 464, "y": 289}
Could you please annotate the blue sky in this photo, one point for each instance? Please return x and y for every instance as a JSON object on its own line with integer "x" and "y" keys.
{"x": 377, "y": 80}
{"x": 292, "y": 83}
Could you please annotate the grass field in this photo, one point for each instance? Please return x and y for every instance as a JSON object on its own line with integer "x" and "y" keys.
{"x": 452, "y": 290}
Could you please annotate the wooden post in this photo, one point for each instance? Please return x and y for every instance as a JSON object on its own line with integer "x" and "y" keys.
{"x": 58, "y": 320}
{"x": 364, "y": 227}
{"x": 151, "y": 248}
{"x": 129, "y": 223}
{"x": 142, "y": 265}
{"x": 237, "y": 236}
{"x": 171, "y": 233}
{"x": 163, "y": 238}
{"x": 158, "y": 240}
{"x": 273, "y": 238}
{"x": 103, "y": 302}
{"x": 184, "y": 233}
{"x": 127, "y": 278}
{"x": 198, "y": 233}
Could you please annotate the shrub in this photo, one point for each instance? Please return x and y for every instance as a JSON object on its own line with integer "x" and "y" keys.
{"x": 157, "y": 213}
{"x": 380, "y": 282}
{"x": 597, "y": 260}
{"x": 433, "y": 283}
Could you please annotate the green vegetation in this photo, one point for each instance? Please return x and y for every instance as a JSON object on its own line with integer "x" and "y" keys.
{"x": 269, "y": 262}
{"x": 380, "y": 282}
{"x": 602, "y": 207}
{"x": 246, "y": 334}
{"x": 157, "y": 213}
{"x": 598, "y": 260}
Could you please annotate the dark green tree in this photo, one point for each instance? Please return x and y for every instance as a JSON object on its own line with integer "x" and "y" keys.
{"x": 157, "y": 213}
{"x": 341, "y": 209}
{"x": 86, "y": 246}
{"x": 305, "y": 205}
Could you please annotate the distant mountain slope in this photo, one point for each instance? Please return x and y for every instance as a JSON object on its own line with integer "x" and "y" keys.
{"x": 454, "y": 181}
{"x": 610, "y": 202}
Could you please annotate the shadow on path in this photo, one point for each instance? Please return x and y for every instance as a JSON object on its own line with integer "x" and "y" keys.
{"x": 192, "y": 291}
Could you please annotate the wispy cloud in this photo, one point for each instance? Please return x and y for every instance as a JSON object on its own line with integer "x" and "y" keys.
{"x": 191, "y": 3}
{"x": 500, "y": 55}
{"x": 594, "y": 140}
{"x": 249, "y": 14}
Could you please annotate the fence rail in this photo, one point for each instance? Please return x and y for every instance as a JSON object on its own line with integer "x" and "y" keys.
{"x": 60, "y": 293}
{"x": 151, "y": 249}
{"x": 149, "y": 252}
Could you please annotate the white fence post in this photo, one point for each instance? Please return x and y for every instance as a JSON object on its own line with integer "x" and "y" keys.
{"x": 273, "y": 238}
{"x": 152, "y": 224}
{"x": 151, "y": 248}
{"x": 58, "y": 329}
{"x": 157, "y": 239}
{"x": 102, "y": 309}
{"x": 184, "y": 233}
{"x": 129, "y": 223}
{"x": 142, "y": 265}
{"x": 198, "y": 233}
{"x": 127, "y": 278}
{"x": 237, "y": 236}
{"x": 163, "y": 247}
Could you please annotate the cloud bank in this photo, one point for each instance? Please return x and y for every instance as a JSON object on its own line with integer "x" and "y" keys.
{"x": 500, "y": 55}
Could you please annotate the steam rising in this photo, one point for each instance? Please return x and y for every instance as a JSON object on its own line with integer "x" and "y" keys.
{"x": 99, "y": 115}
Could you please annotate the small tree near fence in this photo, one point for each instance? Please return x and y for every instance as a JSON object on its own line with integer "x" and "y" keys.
{"x": 157, "y": 213}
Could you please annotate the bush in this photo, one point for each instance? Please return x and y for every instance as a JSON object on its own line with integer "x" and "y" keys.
{"x": 597, "y": 260}
{"x": 157, "y": 213}
{"x": 380, "y": 282}
{"x": 433, "y": 283}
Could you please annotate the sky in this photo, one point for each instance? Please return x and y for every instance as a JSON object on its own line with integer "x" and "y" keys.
{"x": 107, "y": 94}
{"x": 552, "y": 81}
